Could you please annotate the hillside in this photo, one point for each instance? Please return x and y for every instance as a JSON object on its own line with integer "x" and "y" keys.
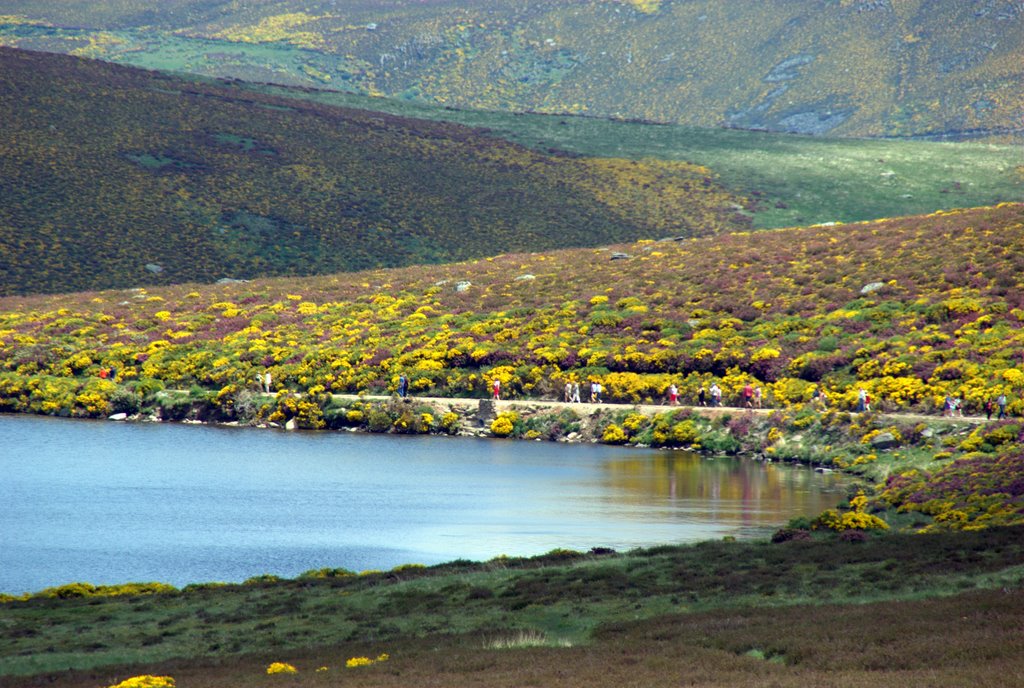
{"x": 911, "y": 309}
{"x": 790, "y": 179}
{"x": 843, "y": 67}
{"x": 115, "y": 177}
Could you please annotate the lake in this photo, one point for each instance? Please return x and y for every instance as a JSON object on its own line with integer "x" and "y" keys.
{"x": 108, "y": 502}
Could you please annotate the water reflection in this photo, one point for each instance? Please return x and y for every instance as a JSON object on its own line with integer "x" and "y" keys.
{"x": 739, "y": 492}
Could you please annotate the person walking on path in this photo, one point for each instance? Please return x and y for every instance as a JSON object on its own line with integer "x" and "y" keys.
{"x": 403, "y": 385}
{"x": 716, "y": 395}
{"x": 1001, "y": 403}
{"x": 862, "y": 400}
{"x": 673, "y": 395}
{"x": 496, "y": 386}
{"x": 748, "y": 396}
{"x": 702, "y": 397}
{"x": 575, "y": 392}
{"x": 568, "y": 392}
{"x": 758, "y": 394}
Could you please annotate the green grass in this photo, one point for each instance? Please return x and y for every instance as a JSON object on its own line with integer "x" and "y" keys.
{"x": 564, "y": 598}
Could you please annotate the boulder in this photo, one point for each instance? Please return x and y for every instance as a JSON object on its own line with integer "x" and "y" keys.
{"x": 884, "y": 440}
{"x": 118, "y": 416}
{"x": 463, "y": 286}
{"x": 870, "y": 287}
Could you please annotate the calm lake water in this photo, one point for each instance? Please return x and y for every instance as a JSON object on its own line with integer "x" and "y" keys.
{"x": 109, "y": 502}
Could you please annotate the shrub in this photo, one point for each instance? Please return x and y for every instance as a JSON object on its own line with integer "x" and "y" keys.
{"x": 791, "y": 535}
{"x": 281, "y": 668}
{"x": 501, "y": 426}
{"x": 146, "y": 681}
{"x": 379, "y": 421}
{"x": 450, "y": 422}
{"x": 125, "y": 400}
{"x": 613, "y": 434}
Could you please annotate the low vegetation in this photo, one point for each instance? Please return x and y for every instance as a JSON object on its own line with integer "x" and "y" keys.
{"x": 848, "y": 67}
{"x": 734, "y": 604}
{"x": 115, "y": 177}
{"x": 833, "y": 309}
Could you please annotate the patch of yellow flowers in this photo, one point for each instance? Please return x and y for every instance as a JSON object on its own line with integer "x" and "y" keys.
{"x": 275, "y": 668}
{"x": 146, "y": 681}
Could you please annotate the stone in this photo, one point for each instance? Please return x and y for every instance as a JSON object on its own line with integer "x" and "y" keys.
{"x": 154, "y": 268}
{"x": 463, "y": 286}
{"x": 525, "y": 278}
{"x": 873, "y": 286}
{"x": 291, "y": 424}
{"x": 618, "y": 255}
{"x": 486, "y": 411}
{"x": 118, "y": 416}
{"x": 884, "y": 440}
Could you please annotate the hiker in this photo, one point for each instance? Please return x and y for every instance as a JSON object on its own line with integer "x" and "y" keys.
{"x": 1001, "y": 402}
{"x": 575, "y": 392}
{"x": 862, "y": 400}
{"x": 757, "y": 397}
{"x": 990, "y": 406}
{"x": 716, "y": 394}
{"x": 568, "y": 392}
{"x": 266, "y": 382}
{"x": 748, "y": 395}
{"x": 496, "y": 388}
{"x": 673, "y": 395}
{"x": 403, "y": 385}
{"x": 595, "y": 392}
{"x": 702, "y": 397}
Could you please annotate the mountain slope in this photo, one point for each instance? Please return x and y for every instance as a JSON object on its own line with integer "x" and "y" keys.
{"x": 911, "y": 309}
{"x": 113, "y": 177}
{"x": 847, "y": 67}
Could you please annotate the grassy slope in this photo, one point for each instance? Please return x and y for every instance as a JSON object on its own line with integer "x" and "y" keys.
{"x": 855, "y": 68}
{"x": 795, "y": 180}
{"x": 106, "y": 170}
{"x": 615, "y": 601}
